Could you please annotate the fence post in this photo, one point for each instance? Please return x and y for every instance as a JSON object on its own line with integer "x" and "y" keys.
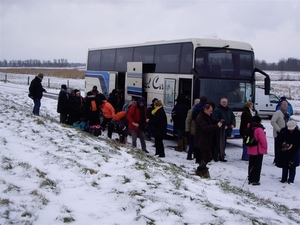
{"x": 5, "y": 79}
{"x": 28, "y": 80}
{"x": 48, "y": 82}
{"x": 68, "y": 84}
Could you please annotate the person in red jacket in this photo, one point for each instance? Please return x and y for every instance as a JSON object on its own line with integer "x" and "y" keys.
{"x": 256, "y": 152}
{"x": 137, "y": 117}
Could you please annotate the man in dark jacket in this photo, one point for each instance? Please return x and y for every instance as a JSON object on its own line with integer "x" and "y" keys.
{"x": 204, "y": 131}
{"x": 63, "y": 104}
{"x": 224, "y": 113}
{"x": 179, "y": 114}
{"x": 36, "y": 93}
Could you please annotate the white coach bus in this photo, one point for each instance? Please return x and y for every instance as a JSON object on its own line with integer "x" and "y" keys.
{"x": 166, "y": 69}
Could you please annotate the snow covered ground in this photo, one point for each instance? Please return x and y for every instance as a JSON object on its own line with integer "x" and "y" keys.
{"x": 55, "y": 174}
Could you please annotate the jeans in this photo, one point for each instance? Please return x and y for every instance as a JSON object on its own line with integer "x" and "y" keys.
{"x": 288, "y": 172}
{"x": 191, "y": 146}
{"x": 138, "y": 134}
{"x": 36, "y": 107}
{"x": 245, "y": 155}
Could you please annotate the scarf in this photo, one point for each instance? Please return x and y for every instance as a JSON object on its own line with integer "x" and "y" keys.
{"x": 286, "y": 116}
{"x": 155, "y": 110}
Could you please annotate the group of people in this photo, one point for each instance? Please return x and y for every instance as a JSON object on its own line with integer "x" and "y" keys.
{"x": 286, "y": 142}
{"x": 205, "y": 126}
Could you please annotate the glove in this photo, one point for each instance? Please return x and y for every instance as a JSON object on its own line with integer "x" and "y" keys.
{"x": 30, "y": 96}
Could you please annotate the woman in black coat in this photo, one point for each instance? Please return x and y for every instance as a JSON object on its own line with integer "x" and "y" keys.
{"x": 289, "y": 153}
{"x": 159, "y": 124}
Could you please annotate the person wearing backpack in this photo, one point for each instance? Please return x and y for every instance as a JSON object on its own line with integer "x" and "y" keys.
{"x": 190, "y": 130}
{"x": 91, "y": 108}
{"x": 108, "y": 113}
{"x": 257, "y": 151}
{"x": 246, "y": 118}
{"x": 137, "y": 117}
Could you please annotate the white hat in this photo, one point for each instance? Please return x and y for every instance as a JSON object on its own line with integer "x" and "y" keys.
{"x": 291, "y": 125}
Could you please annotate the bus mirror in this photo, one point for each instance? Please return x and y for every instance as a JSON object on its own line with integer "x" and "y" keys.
{"x": 267, "y": 85}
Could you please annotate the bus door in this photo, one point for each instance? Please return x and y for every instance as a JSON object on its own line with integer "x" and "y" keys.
{"x": 134, "y": 80}
{"x": 185, "y": 89}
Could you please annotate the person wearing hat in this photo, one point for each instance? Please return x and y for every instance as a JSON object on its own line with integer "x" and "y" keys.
{"x": 256, "y": 152}
{"x": 137, "y": 117}
{"x": 289, "y": 155}
{"x": 149, "y": 115}
{"x": 63, "y": 104}
{"x": 36, "y": 93}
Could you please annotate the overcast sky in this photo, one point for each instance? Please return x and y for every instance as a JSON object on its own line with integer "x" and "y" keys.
{"x": 48, "y": 29}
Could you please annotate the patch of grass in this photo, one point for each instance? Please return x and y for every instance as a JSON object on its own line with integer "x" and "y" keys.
{"x": 91, "y": 171}
{"x": 174, "y": 211}
{"x": 39, "y": 121}
{"x": 279, "y": 208}
{"x": 68, "y": 219}
{"x": 136, "y": 193}
{"x": 48, "y": 183}
{"x": 4, "y": 201}
{"x": 26, "y": 214}
{"x": 3, "y": 141}
{"x": 126, "y": 180}
{"x": 41, "y": 174}
{"x": 95, "y": 184}
{"x": 12, "y": 187}
{"x": 6, "y": 163}
{"x": 25, "y": 165}
{"x": 147, "y": 175}
{"x": 40, "y": 196}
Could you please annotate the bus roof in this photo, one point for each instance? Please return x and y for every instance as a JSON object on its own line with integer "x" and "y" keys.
{"x": 197, "y": 42}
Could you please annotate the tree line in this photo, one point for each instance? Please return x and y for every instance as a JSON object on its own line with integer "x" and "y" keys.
{"x": 38, "y": 63}
{"x": 290, "y": 64}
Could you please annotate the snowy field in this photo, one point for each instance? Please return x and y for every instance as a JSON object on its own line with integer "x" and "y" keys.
{"x": 54, "y": 174}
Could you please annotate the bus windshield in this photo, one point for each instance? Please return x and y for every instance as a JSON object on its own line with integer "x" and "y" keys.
{"x": 236, "y": 91}
{"x": 224, "y": 62}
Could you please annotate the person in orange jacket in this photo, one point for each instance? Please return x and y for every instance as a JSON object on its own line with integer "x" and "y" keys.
{"x": 108, "y": 113}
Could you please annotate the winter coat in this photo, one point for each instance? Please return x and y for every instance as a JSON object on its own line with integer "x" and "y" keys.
{"x": 189, "y": 122}
{"x": 107, "y": 109}
{"x": 159, "y": 123}
{"x": 204, "y": 132}
{"x": 245, "y": 119}
{"x": 293, "y": 154}
{"x": 179, "y": 114}
{"x": 63, "y": 103}
{"x": 278, "y": 122}
{"x": 36, "y": 89}
{"x": 227, "y": 115}
{"x": 134, "y": 116}
{"x": 259, "y": 134}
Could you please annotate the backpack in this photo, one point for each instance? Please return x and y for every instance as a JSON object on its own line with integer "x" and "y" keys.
{"x": 248, "y": 138}
{"x": 93, "y": 106}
